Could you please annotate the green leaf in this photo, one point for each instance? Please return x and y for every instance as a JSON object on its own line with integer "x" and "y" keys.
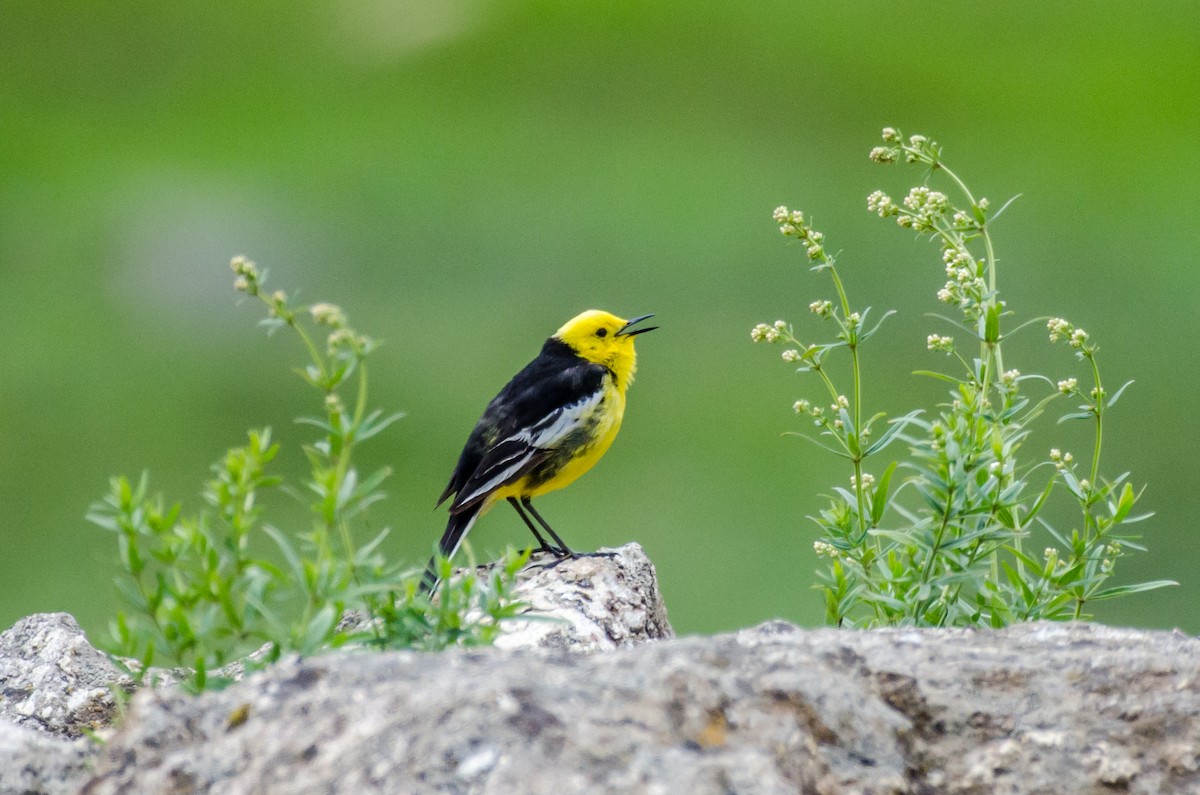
{"x": 316, "y": 422}
{"x": 825, "y": 447}
{"x": 902, "y": 537}
{"x": 1112, "y": 401}
{"x": 1076, "y": 415}
{"x": 1017, "y": 582}
{"x": 289, "y": 551}
{"x": 1024, "y": 558}
{"x": 363, "y": 553}
{"x": 868, "y": 334}
{"x": 98, "y": 515}
{"x": 847, "y": 496}
{"x": 849, "y": 434}
{"x": 147, "y": 658}
{"x": 1072, "y": 574}
{"x": 319, "y": 629}
{"x": 200, "y": 675}
{"x": 1125, "y": 590}
{"x": 932, "y": 500}
{"x": 374, "y": 481}
{"x": 347, "y": 489}
{"x": 894, "y": 427}
{"x": 880, "y": 498}
{"x": 939, "y": 376}
{"x": 1124, "y": 504}
{"x": 373, "y": 425}
{"x": 992, "y": 325}
{"x": 1004, "y": 207}
{"x": 1072, "y": 484}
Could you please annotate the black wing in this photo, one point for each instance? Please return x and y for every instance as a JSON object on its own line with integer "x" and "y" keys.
{"x": 519, "y": 428}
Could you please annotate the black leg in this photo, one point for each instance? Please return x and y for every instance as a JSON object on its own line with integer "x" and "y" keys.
{"x": 529, "y": 506}
{"x": 542, "y": 545}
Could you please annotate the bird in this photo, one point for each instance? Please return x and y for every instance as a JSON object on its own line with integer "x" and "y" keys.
{"x": 550, "y": 424}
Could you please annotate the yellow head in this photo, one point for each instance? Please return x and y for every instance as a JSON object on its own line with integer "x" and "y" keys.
{"x": 605, "y": 339}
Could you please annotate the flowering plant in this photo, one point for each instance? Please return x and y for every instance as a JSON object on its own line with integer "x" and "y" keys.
{"x": 202, "y": 590}
{"x": 943, "y": 537}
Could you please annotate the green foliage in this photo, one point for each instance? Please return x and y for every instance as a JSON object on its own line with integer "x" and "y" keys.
{"x": 200, "y": 597}
{"x": 943, "y": 536}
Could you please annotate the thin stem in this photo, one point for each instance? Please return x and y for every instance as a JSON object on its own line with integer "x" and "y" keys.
{"x": 991, "y": 270}
{"x": 314, "y": 353}
{"x": 343, "y": 464}
{"x": 957, "y": 181}
{"x": 841, "y": 291}
{"x": 927, "y": 569}
{"x": 833, "y": 393}
{"x": 985, "y": 352}
{"x": 1089, "y": 521}
{"x": 857, "y": 401}
{"x": 1099, "y": 412}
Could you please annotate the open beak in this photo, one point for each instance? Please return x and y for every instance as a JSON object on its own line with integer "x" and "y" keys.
{"x": 628, "y": 331}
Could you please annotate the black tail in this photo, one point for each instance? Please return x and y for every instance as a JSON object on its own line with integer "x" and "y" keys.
{"x": 456, "y": 531}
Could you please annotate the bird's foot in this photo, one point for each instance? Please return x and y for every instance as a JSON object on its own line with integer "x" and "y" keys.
{"x": 576, "y": 555}
{"x": 554, "y": 564}
{"x": 557, "y": 552}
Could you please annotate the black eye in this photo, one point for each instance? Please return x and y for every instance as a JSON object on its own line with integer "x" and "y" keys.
{"x": 602, "y": 332}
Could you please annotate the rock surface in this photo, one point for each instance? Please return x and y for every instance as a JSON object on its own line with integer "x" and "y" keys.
{"x": 1039, "y": 708}
{"x": 606, "y": 600}
{"x": 53, "y": 680}
{"x": 34, "y": 763}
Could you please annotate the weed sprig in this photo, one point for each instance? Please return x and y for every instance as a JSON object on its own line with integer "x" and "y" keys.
{"x": 943, "y": 536}
{"x": 199, "y": 596}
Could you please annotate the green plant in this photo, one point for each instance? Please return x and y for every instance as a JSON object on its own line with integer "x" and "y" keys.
{"x": 198, "y": 594}
{"x": 943, "y": 537}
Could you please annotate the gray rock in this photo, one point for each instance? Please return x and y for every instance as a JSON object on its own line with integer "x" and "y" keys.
{"x": 1040, "y": 708}
{"x": 34, "y": 763}
{"x": 606, "y": 600}
{"x": 53, "y": 680}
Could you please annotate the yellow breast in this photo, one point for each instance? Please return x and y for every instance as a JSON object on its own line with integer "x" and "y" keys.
{"x": 610, "y": 413}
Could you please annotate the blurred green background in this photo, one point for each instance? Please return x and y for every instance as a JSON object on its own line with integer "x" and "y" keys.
{"x": 463, "y": 176}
